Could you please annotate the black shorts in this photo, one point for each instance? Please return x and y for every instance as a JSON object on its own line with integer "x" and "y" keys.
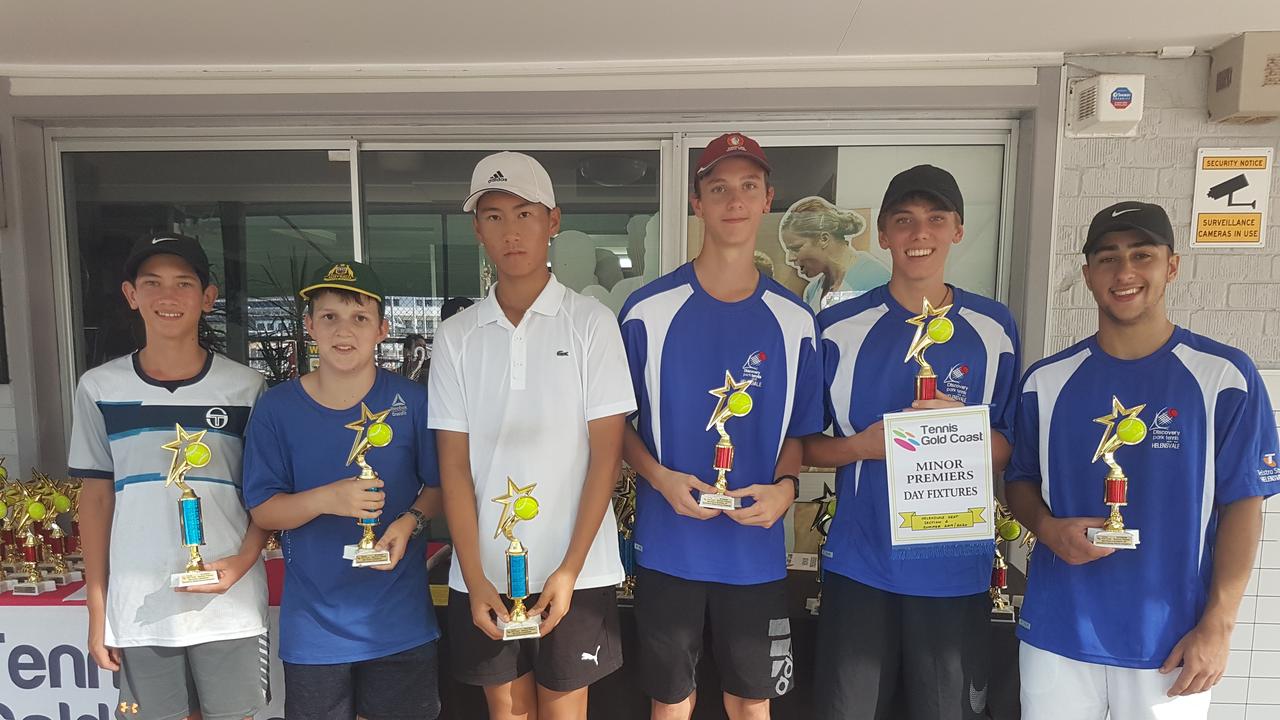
{"x": 871, "y": 641}
{"x": 400, "y": 686}
{"x": 584, "y": 647}
{"x": 750, "y": 636}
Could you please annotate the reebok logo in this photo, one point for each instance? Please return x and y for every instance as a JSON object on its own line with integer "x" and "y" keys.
{"x": 398, "y": 406}
{"x": 780, "y": 654}
{"x": 497, "y": 177}
{"x": 1118, "y": 213}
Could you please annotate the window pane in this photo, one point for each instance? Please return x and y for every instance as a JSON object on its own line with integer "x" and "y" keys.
{"x": 424, "y": 248}
{"x": 265, "y": 218}
{"x": 840, "y": 187}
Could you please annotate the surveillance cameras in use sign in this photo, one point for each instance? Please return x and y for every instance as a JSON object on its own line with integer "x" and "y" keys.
{"x": 1233, "y": 189}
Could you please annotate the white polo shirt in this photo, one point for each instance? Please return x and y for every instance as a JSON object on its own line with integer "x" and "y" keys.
{"x": 524, "y": 395}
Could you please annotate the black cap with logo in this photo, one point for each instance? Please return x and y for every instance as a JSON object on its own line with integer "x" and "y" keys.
{"x": 187, "y": 248}
{"x": 1147, "y": 218}
{"x": 353, "y": 276}
{"x": 926, "y": 179}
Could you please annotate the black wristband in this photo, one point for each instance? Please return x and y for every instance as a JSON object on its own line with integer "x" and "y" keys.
{"x": 420, "y": 521}
{"x": 795, "y": 481}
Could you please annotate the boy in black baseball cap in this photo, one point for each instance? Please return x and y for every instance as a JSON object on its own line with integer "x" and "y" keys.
{"x": 920, "y": 617}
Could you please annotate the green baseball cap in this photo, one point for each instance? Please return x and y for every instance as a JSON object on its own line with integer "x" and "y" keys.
{"x": 352, "y": 276}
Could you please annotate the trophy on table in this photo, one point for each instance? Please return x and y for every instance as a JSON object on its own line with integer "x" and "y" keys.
{"x": 624, "y": 509}
{"x": 189, "y": 451}
{"x": 371, "y": 431}
{"x": 822, "y": 524}
{"x": 517, "y": 504}
{"x": 732, "y": 401}
{"x": 1008, "y": 529}
{"x": 9, "y": 560}
{"x": 29, "y": 511}
{"x": 75, "y": 558}
{"x": 1130, "y": 430}
{"x": 933, "y": 327}
{"x": 54, "y": 563}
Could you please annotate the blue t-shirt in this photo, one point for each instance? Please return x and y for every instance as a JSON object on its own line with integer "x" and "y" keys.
{"x": 864, "y": 341}
{"x": 680, "y": 341}
{"x": 331, "y": 612}
{"x": 1211, "y": 441}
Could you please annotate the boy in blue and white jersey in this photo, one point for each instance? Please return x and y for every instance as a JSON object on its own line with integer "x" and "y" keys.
{"x": 683, "y": 332}
{"x": 1106, "y": 631}
{"x": 918, "y": 615}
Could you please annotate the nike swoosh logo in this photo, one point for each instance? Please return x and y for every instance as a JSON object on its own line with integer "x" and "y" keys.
{"x": 1118, "y": 213}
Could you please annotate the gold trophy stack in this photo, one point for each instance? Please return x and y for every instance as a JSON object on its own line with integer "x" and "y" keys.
{"x": 517, "y": 504}
{"x": 732, "y": 401}
{"x": 624, "y": 508}
{"x": 9, "y": 560}
{"x": 29, "y": 511}
{"x": 371, "y": 431}
{"x": 1007, "y": 530}
{"x": 1128, "y": 431}
{"x": 189, "y": 452}
{"x": 933, "y": 327}
{"x": 75, "y": 555}
{"x": 53, "y": 562}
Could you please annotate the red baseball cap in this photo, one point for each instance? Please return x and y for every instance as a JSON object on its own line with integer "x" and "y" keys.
{"x": 730, "y": 145}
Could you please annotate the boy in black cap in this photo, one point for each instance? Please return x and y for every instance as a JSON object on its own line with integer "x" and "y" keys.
{"x": 891, "y": 614}
{"x": 192, "y": 650}
{"x": 354, "y": 640}
{"x": 1142, "y": 632}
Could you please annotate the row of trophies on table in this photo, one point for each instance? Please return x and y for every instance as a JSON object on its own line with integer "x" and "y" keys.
{"x": 39, "y": 533}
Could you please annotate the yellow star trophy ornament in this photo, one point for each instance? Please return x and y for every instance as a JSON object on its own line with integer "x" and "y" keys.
{"x": 732, "y": 401}
{"x": 518, "y": 504}
{"x": 371, "y": 431}
{"x": 1129, "y": 430}
{"x": 933, "y": 327}
{"x": 189, "y": 452}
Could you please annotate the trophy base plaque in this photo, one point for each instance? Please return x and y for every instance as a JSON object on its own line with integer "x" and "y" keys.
{"x": 66, "y": 578}
{"x": 522, "y": 630}
{"x": 365, "y": 558}
{"x": 1003, "y": 614}
{"x": 272, "y": 554}
{"x": 1126, "y": 539}
{"x": 193, "y": 578}
{"x": 719, "y": 501}
{"x": 35, "y": 588}
{"x": 10, "y": 568}
{"x": 7, "y": 586}
{"x": 813, "y": 605}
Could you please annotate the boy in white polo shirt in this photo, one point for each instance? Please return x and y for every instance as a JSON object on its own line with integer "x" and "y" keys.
{"x": 530, "y": 385}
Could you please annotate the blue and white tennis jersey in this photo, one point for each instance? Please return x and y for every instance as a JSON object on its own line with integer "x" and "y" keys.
{"x": 864, "y": 341}
{"x": 1211, "y": 441}
{"x": 121, "y": 418}
{"x": 331, "y": 612}
{"x": 680, "y": 341}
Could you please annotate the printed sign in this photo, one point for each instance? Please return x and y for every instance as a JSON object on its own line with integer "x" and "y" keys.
{"x": 939, "y": 467}
{"x": 1233, "y": 187}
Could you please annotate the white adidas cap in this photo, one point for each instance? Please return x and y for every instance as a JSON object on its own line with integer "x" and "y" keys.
{"x": 511, "y": 172}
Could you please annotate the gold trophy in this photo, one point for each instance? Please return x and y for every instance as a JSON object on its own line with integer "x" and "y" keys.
{"x": 732, "y": 401}
{"x": 189, "y": 451}
{"x": 1008, "y": 529}
{"x": 517, "y": 504}
{"x": 54, "y": 563}
{"x": 1130, "y": 430}
{"x": 933, "y": 327}
{"x": 822, "y": 525}
{"x": 372, "y": 431}
{"x": 624, "y": 509}
{"x": 75, "y": 556}
{"x": 28, "y": 512}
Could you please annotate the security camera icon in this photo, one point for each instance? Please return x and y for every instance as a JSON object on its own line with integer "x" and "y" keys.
{"x": 1228, "y": 189}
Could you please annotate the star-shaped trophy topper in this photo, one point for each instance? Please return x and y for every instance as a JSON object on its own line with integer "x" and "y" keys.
{"x": 371, "y": 427}
{"x": 1129, "y": 431}
{"x": 733, "y": 400}
{"x": 933, "y": 327}
{"x": 518, "y": 504}
{"x": 189, "y": 451}
{"x": 826, "y": 510}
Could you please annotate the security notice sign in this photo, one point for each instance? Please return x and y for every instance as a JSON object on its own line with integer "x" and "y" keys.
{"x": 1233, "y": 186}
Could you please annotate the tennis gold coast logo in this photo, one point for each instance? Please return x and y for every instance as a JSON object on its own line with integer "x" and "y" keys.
{"x": 340, "y": 272}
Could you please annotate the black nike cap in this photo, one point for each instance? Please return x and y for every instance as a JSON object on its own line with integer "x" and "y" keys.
{"x": 1147, "y": 218}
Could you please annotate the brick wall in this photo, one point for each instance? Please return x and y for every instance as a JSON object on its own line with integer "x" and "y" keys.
{"x": 1230, "y": 295}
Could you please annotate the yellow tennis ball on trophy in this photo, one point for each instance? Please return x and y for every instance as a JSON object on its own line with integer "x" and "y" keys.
{"x": 1009, "y": 530}
{"x": 739, "y": 403}
{"x": 379, "y": 434}
{"x": 940, "y": 330}
{"x": 1131, "y": 431}
{"x": 61, "y": 503}
{"x": 4, "y": 509}
{"x": 830, "y": 508}
{"x": 197, "y": 454}
{"x": 36, "y": 510}
{"x": 525, "y": 508}
{"x": 4, "y": 474}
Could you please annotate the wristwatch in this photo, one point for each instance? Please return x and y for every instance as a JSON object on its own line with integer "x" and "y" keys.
{"x": 795, "y": 482}
{"x": 419, "y": 518}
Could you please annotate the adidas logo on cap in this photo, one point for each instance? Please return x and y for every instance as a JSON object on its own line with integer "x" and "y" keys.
{"x": 497, "y": 177}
